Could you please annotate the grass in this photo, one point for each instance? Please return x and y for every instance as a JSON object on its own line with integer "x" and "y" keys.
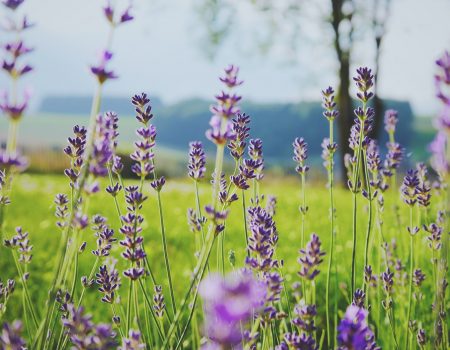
{"x": 33, "y": 209}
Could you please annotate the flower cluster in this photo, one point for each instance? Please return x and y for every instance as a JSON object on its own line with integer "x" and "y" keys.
{"x": 83, "y": 333}
{"x": 21, "y": 242}
{"x": 11, "y": 336}
{"x": 110, "y": 14}
{"x": 262, "y": 240}
{"x": 104, "y": 143}
{"x": 197, "y": 161}
{"x": 12, "y": 65}
{"x": 354, "y": 331}
{"x": 255, "y": 153}
{"x": 241, "y": 132}
{"x": 4, "y": 198}
{"x": 226, "y": 108}
{"x": 132, "y": 228}
{"x": 300, "y": 155}
{"x": 229, "y": 303}
{"x": 143, "y": 154}
{"x": 158, "y": 302}
{"x": 310, "y": 258}
{"x": 409, "y": 187}
{"x": 133, "y": 342}
{"x": 105, "y": 237}
{"x": 75, "y": 150}
{"x": 5, "y": 292}
{"x": 109, "y": 281}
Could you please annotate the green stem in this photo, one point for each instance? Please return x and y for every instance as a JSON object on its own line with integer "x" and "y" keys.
{"x": 411, "y": 268}
{"x": 355, "y": 188}
{"x": 166, "y": 255}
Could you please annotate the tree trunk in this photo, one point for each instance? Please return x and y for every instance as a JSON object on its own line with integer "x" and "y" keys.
{"x": 345, "y": 118}
{"x": 377, "y": 102}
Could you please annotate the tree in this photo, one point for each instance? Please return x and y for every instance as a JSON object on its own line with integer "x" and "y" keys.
{"x": 339, "y": 16}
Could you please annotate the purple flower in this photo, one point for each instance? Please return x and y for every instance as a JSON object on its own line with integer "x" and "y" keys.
{"x": 12, "y": 162}
{"x": 226, "y": 108}
{"x": 83, "y": 333}
{"x": 105, "y": 239}
{"x": 158, "y": 184}
{"x": 195, "y": 223}
{"x": 109, "y": 281}
{"x": 390, "y": 121}
{"x": 300, "y": 155}
{"x": 14, "y": 110}
{"x": 394, "y": 156}
{"x": 329, "y": 104}
{"x": 109, "y": 12}
{"x": 421, "y": 338}
{"x": 241, "y": 130}
{"x": 132, "y": 228}
{"x": 364, "y": 82}
{"x": 359, "y": 298}
{"x": 158, "y": 302}
{"x": 298, "y": 342}
{"x": 310, "y": 258}
{"x": 100, "y": 71}
{"x": 21, "y": 243}
{"x": 11, "y": 336}
{"x": 328, "y": 150}
{"x": 353, "y": 330}
{"x": 255, "y": 153}
{"x": 104, "y": 144}
{"x": 143, "y": 108}
{"x": 12, "y": 4}
{"x": 228, "y": 304}
{"x": 438, "y": 149}
{"x": 262, "y": 240}
{"x": 409, "y": 188}
{"x": 143, "y": 154}
{"x": 434, "y": 236}
{"x": 197, "y": 161}
{"x": 133, "y": 342}
{"x": 231, "y": 77}
{"x": 62, "y": 210}
{"x": 305, "y": 318}
{"x": 75, "y": 151}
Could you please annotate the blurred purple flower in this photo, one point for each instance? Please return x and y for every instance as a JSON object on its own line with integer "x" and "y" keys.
{"x": 197, "y": 161}
{"x": 12, "y": 4}
{"x": 11, "y": 336}
{"x": 100, "y": 71}
{"x": 353, "y": 330}
{"x": 228, "y": 304}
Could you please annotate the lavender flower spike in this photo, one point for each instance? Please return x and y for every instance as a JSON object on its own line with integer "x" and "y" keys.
{"x": 197, "y": 161}
{"x": 310, "y": 258}
{"x": 353, "y": 330}
{"x": 300, "y": 155}
{"x": 229, "y": 303}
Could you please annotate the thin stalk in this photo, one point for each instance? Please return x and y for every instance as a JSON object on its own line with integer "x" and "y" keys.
{"x": 411, "y": 267}
{"x": 25, "y": 289}
{"x": 166, "y": 255}
{"x": 355, "y": 187}
{"x": 332, "y": 236}
{"x": 244, "y": 213}
{"x": 130, "y": 293}
{"x": 150, "y": 306}
{"x": 62, "y": 252}
{"x": 369, "y": 223}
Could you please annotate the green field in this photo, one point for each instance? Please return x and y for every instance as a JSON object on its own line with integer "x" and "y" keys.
{"x": 32, "y": 208}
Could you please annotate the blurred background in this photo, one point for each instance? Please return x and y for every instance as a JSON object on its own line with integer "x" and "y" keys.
{"x": 287, "y": 50}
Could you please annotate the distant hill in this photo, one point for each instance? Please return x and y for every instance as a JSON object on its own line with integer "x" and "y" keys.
{"x": 76, "y": 105}
{"x": 277, "y": 123}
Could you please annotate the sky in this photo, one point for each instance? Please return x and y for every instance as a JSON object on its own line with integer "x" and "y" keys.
{"x": 162, "y": 52}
